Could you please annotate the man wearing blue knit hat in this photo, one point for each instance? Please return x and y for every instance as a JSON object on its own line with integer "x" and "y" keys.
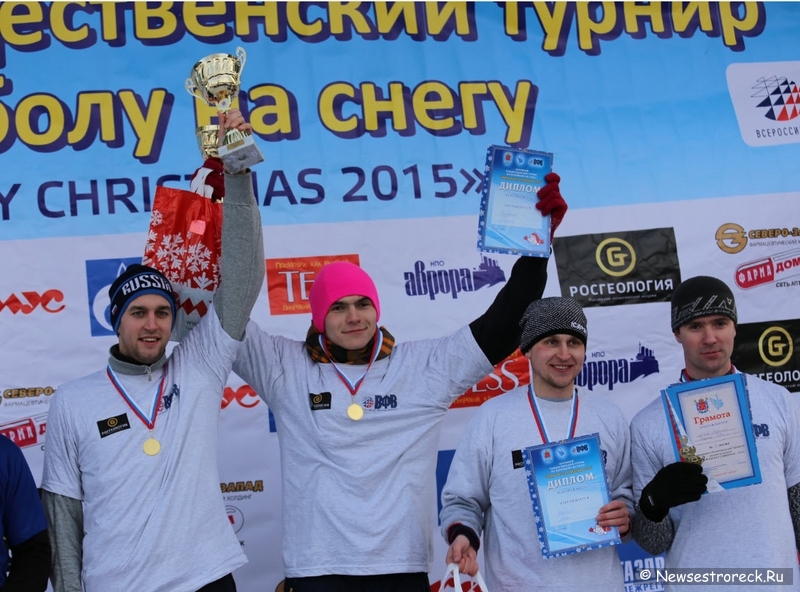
{"x": 131, "y": 485}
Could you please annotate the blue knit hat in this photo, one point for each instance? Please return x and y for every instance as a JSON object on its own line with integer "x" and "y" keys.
{"x": 138, "y": 280}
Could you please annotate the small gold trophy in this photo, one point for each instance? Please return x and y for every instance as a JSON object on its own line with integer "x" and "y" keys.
{"x": 689, "y": 453}
{"x": 216, "y": 79}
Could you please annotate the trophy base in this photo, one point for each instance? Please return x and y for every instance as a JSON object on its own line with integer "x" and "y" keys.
{"x": 240, "y": 154}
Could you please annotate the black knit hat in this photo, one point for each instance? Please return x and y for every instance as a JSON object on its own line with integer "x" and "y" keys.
{"x": 137, "y": 280}
{"x": 551, "y": 316}
{"x": 701, "y": 296}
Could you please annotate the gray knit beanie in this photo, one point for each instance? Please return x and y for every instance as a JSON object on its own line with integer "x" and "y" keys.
{"x": 551, "y": 316}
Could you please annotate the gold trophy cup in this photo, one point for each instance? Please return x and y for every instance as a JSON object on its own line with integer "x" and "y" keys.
{"x": 207, "y": 141}
{"x": 215, "y": 79}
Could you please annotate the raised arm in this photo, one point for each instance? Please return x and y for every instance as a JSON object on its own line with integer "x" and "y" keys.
{"x": 497, "y": 331}
{"x": 242, "y": 260}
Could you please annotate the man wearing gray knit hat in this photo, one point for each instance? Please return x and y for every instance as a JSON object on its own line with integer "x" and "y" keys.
{"x": 672, "y": 513}
{"x": 487, "y": 489}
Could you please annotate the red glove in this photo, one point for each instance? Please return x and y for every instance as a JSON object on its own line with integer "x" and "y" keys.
{"x": 551, "y": 202}
{"x": 209, "y": 180}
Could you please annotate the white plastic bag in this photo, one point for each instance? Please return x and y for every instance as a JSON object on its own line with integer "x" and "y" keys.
{"x": 477, "y": 584}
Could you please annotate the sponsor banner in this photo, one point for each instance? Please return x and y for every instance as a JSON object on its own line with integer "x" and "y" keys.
{"x": 35, "y": 359}
{"x": 28, "y": 301}
{"x": 639, "y": 568}
{"x": 779, "y": 268}
{"x": 732, "y": 238}
{"x": 25, "y": 432}
{"x": 26, "y": 398}
{"x": 437, "y": 280}
{"x": 367, "y": 134}
{"x": 766, "y": 98}
{"x": 289, "y": 281}
{"x": 509, "y": 374}
{"x": 618, "y": 268}
{"x": 770, "y": 350}
{"x": 602, "y": 373}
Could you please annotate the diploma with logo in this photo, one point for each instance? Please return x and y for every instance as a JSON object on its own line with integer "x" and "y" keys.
{"x": 568, "y": 486}
{"x": 509, "y": 221}
{"x": 712, "y": 426}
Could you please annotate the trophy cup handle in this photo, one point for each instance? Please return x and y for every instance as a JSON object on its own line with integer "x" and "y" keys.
{"x": 192, "y": 89}
{"x": 241, "y": 55}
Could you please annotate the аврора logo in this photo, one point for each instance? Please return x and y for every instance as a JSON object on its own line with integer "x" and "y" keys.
{"x": 440, "y": 280}
{"x": 599, "y": 371}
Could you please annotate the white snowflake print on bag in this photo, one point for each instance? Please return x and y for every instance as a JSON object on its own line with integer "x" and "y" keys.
{"x": 183, "y": 243}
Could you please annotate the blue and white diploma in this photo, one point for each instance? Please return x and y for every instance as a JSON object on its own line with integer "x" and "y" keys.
{"x": 509, "y": 221}
{"x": 568, "y": 486}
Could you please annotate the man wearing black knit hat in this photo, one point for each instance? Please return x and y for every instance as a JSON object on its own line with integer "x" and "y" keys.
{"x": 756, "y": 526}
{"x": 486, "y": 487}
{"x": 131, "y": 485}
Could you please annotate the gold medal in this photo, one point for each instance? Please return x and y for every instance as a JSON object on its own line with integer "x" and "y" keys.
{"x": 151, "y": 447}
{"x": 355, "y": 411}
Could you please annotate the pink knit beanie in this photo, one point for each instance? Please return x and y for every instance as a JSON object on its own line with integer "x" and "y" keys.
{"x": 339, "y": 280}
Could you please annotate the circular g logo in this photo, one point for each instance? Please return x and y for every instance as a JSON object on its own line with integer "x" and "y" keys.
{"x": 317, "y": 399}
{"x": 615, "y": 256}
{"x": 775, "y": 346}
{"x": 731, "y": 238}
{"x": 112, "y": 422}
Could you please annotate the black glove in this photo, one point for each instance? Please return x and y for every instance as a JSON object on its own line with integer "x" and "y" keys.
{"x": 675, "y": 484}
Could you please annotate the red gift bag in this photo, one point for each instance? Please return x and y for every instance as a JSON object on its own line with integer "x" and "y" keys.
{"x": 184, "y": 243}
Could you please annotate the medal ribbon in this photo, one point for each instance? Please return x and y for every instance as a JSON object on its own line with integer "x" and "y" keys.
{"x": 151, "y": 422}
{"x": 539, "y": 419}
{"x": 354, "y": 386}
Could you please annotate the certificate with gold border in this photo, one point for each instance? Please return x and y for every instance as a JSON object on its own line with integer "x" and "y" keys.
{"x": 509, "y": 221}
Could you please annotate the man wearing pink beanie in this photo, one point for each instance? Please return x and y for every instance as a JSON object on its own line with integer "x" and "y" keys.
{"x": 358, "y": 420}
{"x": 339, "y": 289}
